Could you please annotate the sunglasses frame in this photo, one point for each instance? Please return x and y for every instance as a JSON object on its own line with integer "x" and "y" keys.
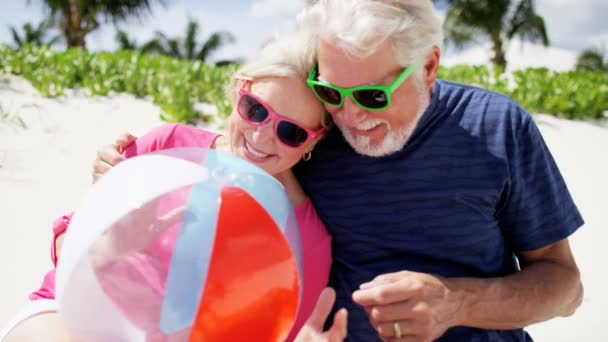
{"x": 344, "y": 92}
{"x": 276, "y": 119}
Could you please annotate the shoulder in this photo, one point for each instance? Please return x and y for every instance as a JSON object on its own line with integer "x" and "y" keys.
{"x": 172, "y": 136}
{"x": 480, "y": 111}
{"x": 310, "y": 223}
{"x": 32, "y": 314}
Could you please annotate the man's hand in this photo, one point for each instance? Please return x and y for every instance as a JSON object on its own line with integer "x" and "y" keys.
{"x": 409, "y": 306}
{"x": 312, "y": 331}
{"x": 110, "y": 155}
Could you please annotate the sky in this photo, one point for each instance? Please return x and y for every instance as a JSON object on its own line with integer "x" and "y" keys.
{"x": 572, "y": 25}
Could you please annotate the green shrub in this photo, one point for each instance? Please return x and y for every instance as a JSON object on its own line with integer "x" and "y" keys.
{"x": 571, "y": 94}
{"x": 176, "y": 85}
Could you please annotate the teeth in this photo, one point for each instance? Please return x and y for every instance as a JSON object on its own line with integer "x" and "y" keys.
{"x": 255, "y": 153}
{"x": 367, "y": 125}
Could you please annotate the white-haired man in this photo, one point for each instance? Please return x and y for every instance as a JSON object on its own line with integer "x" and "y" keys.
{"x": 449, "y": 217}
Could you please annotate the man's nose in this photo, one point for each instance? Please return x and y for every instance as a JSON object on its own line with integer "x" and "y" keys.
{"x": 350, "y": 113}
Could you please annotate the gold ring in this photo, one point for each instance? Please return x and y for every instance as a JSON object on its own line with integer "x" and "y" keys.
{"x": 397, "y": 329}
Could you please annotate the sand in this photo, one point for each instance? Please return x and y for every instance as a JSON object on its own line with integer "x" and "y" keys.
{"x": 47, "y": 146}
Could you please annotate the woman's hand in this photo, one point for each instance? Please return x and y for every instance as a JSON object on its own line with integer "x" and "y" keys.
{"x": 312, "y": 331}
{"x": 133, "y": 232}
{"x": 110, "y": 155}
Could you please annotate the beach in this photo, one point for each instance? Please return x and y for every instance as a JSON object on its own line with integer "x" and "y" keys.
{"x": 47, "y": 147}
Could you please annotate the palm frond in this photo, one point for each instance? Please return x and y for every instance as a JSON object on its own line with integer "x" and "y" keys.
{"x": 527, "y": 24}
{"x": 16, "y": 38}
{"x": 213, "y": 43}
{"x": 190, "y": 39}
{"x": 124, "y": 41}
{"x": 118, "y": 10}
{"x": 153, "y": 46}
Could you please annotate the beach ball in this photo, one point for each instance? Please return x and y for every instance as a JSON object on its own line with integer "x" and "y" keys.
{"x": 184, "y": 244}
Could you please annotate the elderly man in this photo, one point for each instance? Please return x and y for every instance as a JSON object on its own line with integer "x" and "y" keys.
{"x": 449, "y": 217}
{"x": 450, "y": 220}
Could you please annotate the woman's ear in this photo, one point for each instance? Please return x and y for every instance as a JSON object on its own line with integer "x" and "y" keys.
{"x": 246, "y": 84}
{"x": 313, "y": 143}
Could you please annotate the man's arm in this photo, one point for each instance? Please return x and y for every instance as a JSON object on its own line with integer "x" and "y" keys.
{"x": 547, "y": 286}
{"x": 425, "y": 305}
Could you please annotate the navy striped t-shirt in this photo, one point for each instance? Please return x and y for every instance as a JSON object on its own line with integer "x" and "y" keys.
{"x": 474, "y": 185}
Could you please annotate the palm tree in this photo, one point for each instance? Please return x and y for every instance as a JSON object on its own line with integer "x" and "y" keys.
{"x": 125, "y": 42}
{"x": 498, "y": 20}
{"x": 77, "y": 18}
{"x": 188, "y": 47}
{"x": 593, "y": 59}
{"x": 36, "y": 35}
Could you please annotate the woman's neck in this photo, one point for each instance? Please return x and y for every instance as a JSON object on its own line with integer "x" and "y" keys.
{"x": 292, "y": 186}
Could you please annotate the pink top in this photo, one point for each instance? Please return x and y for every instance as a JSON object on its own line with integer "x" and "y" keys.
{"x": 316, "y": 242}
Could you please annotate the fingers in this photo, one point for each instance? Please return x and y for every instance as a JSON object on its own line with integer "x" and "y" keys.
{"x": 382, "y": 294}
{"x": 388, "y": 289}
{"x": 397, "y": 311}
{"x": 124, "y": 141}
{"x": 322, "y": 309}
{"x": 413, "y": 318}
{"x": 407, "y": 328}
{"x": 339, "y": 328}
{"x": 110, "y": 155}
{"x": 166, "y": 221}
{"x": 383, "y": 279}
{"x": 107, "y": 157}
{"x": 99, "y": 169}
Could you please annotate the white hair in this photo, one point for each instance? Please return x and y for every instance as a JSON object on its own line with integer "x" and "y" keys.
{"x": 359, "y": 27}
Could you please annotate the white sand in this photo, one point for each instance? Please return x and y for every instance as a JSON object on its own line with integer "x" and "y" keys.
{"x": 579, "y": 149}
{"x": 45, "y": 169}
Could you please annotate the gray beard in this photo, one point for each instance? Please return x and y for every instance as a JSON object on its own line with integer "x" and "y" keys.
{"x": 395, "y": 140}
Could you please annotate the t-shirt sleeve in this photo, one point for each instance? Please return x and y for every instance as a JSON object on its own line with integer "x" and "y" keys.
{"x": 537, "y": 208}
{"x": 47, "y": 288}
{"x": 171, "y": 136}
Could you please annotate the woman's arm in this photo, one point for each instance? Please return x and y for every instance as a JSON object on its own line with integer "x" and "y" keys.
{"x": 42, "y": 327}
{"x": 36, "y": 321}
{"x": 48, "y": 326}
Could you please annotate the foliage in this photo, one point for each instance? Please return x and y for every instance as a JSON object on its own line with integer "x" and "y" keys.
{"x": 186, "y": 47}
{"x": 594, "y": 59}
{"x": 175, "y": 85}
{"x": 571, "y": 94}
{"x": 36, "y": 35}
{"x": 499, "y": 21}
{"x": 77, "y": 18}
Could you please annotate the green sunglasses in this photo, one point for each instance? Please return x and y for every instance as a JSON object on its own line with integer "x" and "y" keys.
{"x": 370, "y": 97}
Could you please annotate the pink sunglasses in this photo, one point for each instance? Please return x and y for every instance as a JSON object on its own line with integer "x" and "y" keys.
{"x": 256, "y": 112}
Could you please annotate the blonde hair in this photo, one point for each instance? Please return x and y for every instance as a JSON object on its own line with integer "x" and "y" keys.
{"x": 291, "y": 54}
{"x": 359, "y": 27}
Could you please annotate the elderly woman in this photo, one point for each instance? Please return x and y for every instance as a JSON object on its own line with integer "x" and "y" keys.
{"x": 276, "y": 122}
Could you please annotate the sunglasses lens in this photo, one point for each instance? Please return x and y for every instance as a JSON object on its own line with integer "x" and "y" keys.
{"x": 252, "y": 110}
{"x": 291, "y": 134}
{"x": 371, "y": 98}
{"x": 328, "y": 95}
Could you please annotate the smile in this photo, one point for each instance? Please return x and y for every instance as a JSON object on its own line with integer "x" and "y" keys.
{"x": 253, "y": 152}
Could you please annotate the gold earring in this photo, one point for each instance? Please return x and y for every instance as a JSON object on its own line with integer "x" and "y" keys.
{"x": 306, "y": 156}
